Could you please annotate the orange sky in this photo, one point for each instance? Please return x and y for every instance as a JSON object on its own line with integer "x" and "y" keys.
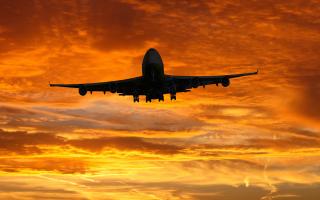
{"x": 257, "y": 139}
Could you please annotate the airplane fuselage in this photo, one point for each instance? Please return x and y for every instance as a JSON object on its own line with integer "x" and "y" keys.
{"x": 152, "y": 67}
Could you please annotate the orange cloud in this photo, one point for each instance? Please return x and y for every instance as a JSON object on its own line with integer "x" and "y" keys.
{"x": 257, "y": 139}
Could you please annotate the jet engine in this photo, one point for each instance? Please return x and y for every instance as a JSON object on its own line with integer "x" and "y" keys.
{"x": 82, "y": 91}
{"x": 225, "y": 82}
{"x": 113, "y": 88}
{"x": 196, "y": 83}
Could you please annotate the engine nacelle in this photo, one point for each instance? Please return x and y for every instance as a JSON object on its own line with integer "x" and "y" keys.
{"x": 113, "y": 88}
{"x": 82, "y": 91}
{"x": 196, "y": 83}
{"x": 225, "y": 82}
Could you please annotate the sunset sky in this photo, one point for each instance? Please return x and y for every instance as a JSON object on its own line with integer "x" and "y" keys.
{"x": 258, "y": 139}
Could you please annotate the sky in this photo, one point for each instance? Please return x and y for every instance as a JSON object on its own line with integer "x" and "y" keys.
{"x": 259, "y": 138}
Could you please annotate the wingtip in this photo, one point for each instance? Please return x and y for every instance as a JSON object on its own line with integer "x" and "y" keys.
{"x": 257, "y": 72}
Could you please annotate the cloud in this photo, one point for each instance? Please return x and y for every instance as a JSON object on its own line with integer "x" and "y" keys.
{"x": 286, "y": 144}
{"x": 32, "y": 143}
{"x": 45, "y": 164}
{"x": 21, "y": 142}
{"x": 20, "y": 26}
{"x": 111, "y": 116}
{"x": 214, "y": 191}
{"x": 125, "y": 144}
{"x": 233, "y": 112}
{"x": 34, "y": 188}
{"x": 115, "y": 25}
{"x": 306, "y": 103}
{"x": 296, "y": 191}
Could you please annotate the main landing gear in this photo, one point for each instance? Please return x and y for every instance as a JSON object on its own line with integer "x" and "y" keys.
{"x": 161, "y": 98}
{"x": 173, "y": 96}
{"x": 148, "y": 99}
{"x": 136, "y": 98}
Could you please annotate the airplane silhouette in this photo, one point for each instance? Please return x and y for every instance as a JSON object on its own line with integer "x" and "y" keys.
{"x": 153, "y": 83}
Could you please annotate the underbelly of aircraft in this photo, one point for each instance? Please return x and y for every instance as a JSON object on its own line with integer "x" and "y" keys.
{"x": 153, "y": 73}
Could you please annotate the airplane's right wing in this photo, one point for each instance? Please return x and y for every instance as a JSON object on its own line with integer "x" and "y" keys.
{"x": 124, "y": 87}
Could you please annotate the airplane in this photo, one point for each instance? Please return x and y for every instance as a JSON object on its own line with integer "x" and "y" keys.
{"x": 153, "y": 83}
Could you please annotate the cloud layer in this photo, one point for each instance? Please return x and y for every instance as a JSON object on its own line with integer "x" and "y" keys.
{"x": 257, "y": 139}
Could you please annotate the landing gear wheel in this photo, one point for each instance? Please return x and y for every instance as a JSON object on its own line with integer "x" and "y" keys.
{"x": 161, "y": 98}
{"x": 173, "y": 97}
{"x": 136, "y": 98}
{"x": 148, "y": 99}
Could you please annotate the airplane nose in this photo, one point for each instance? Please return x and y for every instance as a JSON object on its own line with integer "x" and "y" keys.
{"x": 152, "y": 49}
{"x": 151, "y": 53}
{"x": 152, "y": 57}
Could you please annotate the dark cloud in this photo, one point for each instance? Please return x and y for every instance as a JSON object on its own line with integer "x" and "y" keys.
{"x": 18, "y": 24}
{"x": 297, "y": 192}
{"x": 306, "y": 103}
{"x": 283, "y": 129}
{"x": 15, "y": 189}
{"x": 193, "y": 191}
{"x": 286, "y": 143}
{"x": 106, "y": 25}
{"x": 302, "y": 132}
{"x": 125, "y": 144}
{"x": 61, "y": 165}
{"x": 10, "y": 186}
{"x": 15, "y": 111}
{"x": 229, "y": 193}
{"x": 30, "y": 143}
{"x": 116, "y": 25}
{"x": 21, "y": 142}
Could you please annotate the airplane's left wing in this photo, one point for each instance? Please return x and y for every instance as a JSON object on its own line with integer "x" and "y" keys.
{"x": 182, "y": 83}
{"x": 124, "y": 87}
